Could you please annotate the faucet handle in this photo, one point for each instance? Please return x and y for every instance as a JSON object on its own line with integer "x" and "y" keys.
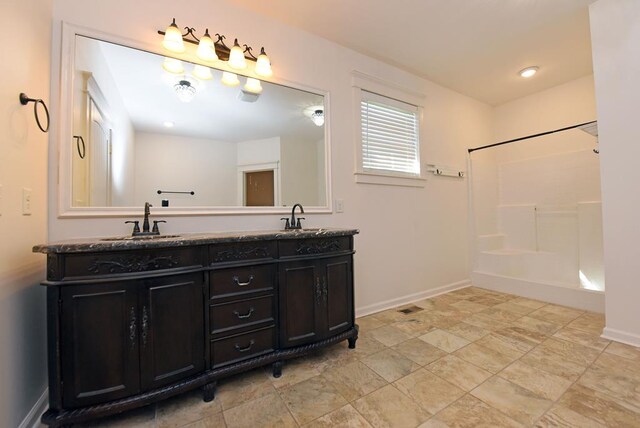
{"x": 287, "y": 225}
{"x": 136, "y": 225}
{"x": 298, "y": 225}
{"x": 155, "y": 226}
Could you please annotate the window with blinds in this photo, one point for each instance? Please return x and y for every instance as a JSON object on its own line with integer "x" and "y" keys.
{"x": 390, "y": 141}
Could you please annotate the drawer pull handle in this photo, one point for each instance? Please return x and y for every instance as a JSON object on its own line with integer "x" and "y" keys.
{"x": 246, "y": 348}
{"x": 242, "y": 284}
{"x": 243, "y": 316}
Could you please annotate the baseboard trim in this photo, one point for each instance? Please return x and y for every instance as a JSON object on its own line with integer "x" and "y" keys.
{"x": 621, "y": 336}
{"x": 32, "y": 420}
{"x": 392, "y": 303}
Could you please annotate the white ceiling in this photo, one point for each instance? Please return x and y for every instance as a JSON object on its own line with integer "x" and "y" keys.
{"x": 475, "y": 47}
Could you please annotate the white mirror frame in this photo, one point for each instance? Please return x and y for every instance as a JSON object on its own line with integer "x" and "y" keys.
{"x": 65, "y": 134}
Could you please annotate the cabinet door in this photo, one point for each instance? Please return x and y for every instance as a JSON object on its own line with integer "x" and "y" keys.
{"x": 337, "y": 295}
{"x": 99, "y": 349}
{"x": 300, "y": 296}
{"x": 171, "y": 329}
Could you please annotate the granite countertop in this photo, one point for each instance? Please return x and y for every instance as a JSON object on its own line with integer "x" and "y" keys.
{"x": 182, "y": 240}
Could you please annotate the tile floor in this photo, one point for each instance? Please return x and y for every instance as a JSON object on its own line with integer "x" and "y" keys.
{"x": 469, "y": 358}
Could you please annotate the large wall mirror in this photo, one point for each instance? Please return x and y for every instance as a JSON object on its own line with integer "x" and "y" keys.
{"x": 180, "y": 135}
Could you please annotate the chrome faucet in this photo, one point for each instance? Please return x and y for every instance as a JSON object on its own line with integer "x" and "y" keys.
{"x": 145, "y": 223}
{"x": 293, "y": 224}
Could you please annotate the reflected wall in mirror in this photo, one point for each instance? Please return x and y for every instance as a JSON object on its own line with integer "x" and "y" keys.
{"x": 146, "y": 130}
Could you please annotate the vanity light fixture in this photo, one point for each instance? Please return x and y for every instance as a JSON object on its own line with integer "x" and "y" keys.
{"x": 230, "y": 79}
{"x": 202, "y": 72}
{"x": 185, "y": 90}
{"x": 253, "y": 86}
{"x": 528, "y": 72}
{"x": 210, "y": 50}
{"x": 173, "y": 66}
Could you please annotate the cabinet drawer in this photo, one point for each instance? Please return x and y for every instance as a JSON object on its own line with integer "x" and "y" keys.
{"x": 242, "y": 346}
{"x": 94, "y": 264}
{"x": 306, "y": 247}
{"x": 241, "y": 313}
{"x": 241, "y": 280}
{"x": 242, "y": 251}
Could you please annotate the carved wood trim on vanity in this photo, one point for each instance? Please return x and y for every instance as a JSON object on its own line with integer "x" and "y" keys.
{"x": 237, "y": 304}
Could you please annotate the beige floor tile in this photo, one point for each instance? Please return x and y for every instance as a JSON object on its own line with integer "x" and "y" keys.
{"x": 335, "y": 355}
{"x": 486, "y": 300}
{"x": 415, "y": 325}
{"x": 215, "y": 421}
{"x": 466, "y": 305}
{"x": 502, "y": 344}
{"x": 560, "y": 416}
{"x": 389, "y": 316}
{"x": 465, "y": 293}
{"x": 488, "y": 323}
{"x": 468, "y": 331}
{"x": 520, "y": 339}
{"x": 268, "y": 411}
{"x": 390, "y": 364}
{"x": 622, "y": 350}
{"x": 444, "y": 340}
{"x": 469, "y": 412}
{"x": 541, "y": 383}
{"x": 589, "y": 322}
{"x": 184, "y": 409}
{"x": 354, "y": 380}
{"x": 434, "y": 422}
{"x": 389, "y": 408}
{"x": 556, "y": 314}
{"x": 500, "y": 314}
{"x": 143, "y": 417}
{"x": 536, "y": 325}
{"x": 570, "y": 351}
{"x": 554, "y": 363}
{"x": 311, "y": 399}
{"x": 345, "y": 417}
{"x": 582, "y": 338}
{"x": 462, "y": 374}
{"x": 431, "y": 392}
{"x": 486, "y": 358}
{"x": 390, "y": 335}
{"x": 514, "y": 401}
{"x": 295, "y": 371}
{"x": 513, "y": 307}
{"x": 446, "y": 299}
{"x": 431, "y": 304}
{"x": 241, "y": 388}
{"x": 529, "y": 303}
{"x": 419, "y": 351}
{"x": 366, "y": 345}
{"x": 599, "y": 407}
{"x": 369, "y": 323}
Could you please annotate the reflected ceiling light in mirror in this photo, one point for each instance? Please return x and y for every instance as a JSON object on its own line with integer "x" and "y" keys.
{"x": 236, "y": 57}
{"x": 202, "y": 72}
{"x": 168, "y": 124}
{"x": 206, "y": 48}
{"x": 230, "y": 79}
{"x": 185, "y": 90}
{"x": 528, "y": 72}
{"x": 253, "y": 86}
{"x": 316, "y": 114}
{"x": 173, "y": 66}
{"x": 212, "y": 50}
{"x": 173, "y": 38}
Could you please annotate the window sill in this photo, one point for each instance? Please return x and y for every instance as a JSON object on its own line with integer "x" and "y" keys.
{"x": 388, "y": 180}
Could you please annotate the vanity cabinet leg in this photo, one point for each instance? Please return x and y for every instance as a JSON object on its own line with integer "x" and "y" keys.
{"x": 352, "y": 342}
{"x": 277, "y": 368}
{"x": 209, "y": 391}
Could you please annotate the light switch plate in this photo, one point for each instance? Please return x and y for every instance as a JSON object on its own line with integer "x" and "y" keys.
{"x": 339, "y": 205}
{"x": 26, "y": 201}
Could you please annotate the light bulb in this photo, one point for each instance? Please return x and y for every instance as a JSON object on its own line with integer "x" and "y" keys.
{"x": 173, "y": 65}
{"x": 528, "y": 72}
{"x": 202, "y": 72}
{"x": 230, "y": 79}
{"x": 185, "y": 91}
{"x": 168, "y": 124}
{"x": 317, "y": 117}
{"x": 206, "y": 48}
{"x": 263, "y": 65}
{"x": 173, "y": 38}
{"x": 236, "y": 57}
{"x": 253, "y": 86}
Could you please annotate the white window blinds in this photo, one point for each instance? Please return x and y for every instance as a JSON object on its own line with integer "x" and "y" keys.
{"x": 390, "y": 140}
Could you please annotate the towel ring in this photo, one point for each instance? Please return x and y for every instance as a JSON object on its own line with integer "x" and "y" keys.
{"x": 82, "y": 150}
{"x": 24, "y": 100}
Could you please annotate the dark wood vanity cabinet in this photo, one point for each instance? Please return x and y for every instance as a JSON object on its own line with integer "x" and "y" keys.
{"x": 133, "y": 326}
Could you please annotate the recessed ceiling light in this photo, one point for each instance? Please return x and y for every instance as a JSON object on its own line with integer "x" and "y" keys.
{"x": 168, "y": 124}
{"x": 529, "y": 71}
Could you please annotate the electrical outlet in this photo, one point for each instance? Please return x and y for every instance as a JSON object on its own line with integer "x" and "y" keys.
{"x": 26, "y": 201}
{"x": 339, "y": 205}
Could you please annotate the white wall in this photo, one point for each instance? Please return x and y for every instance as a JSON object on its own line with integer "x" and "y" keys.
{"x": 179, "y": 163}
{"x": 300, "y": 172}
{"x": 23, "y": 163}
{"x": 412, "y": 239}
{"x": 615, "y": 32}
